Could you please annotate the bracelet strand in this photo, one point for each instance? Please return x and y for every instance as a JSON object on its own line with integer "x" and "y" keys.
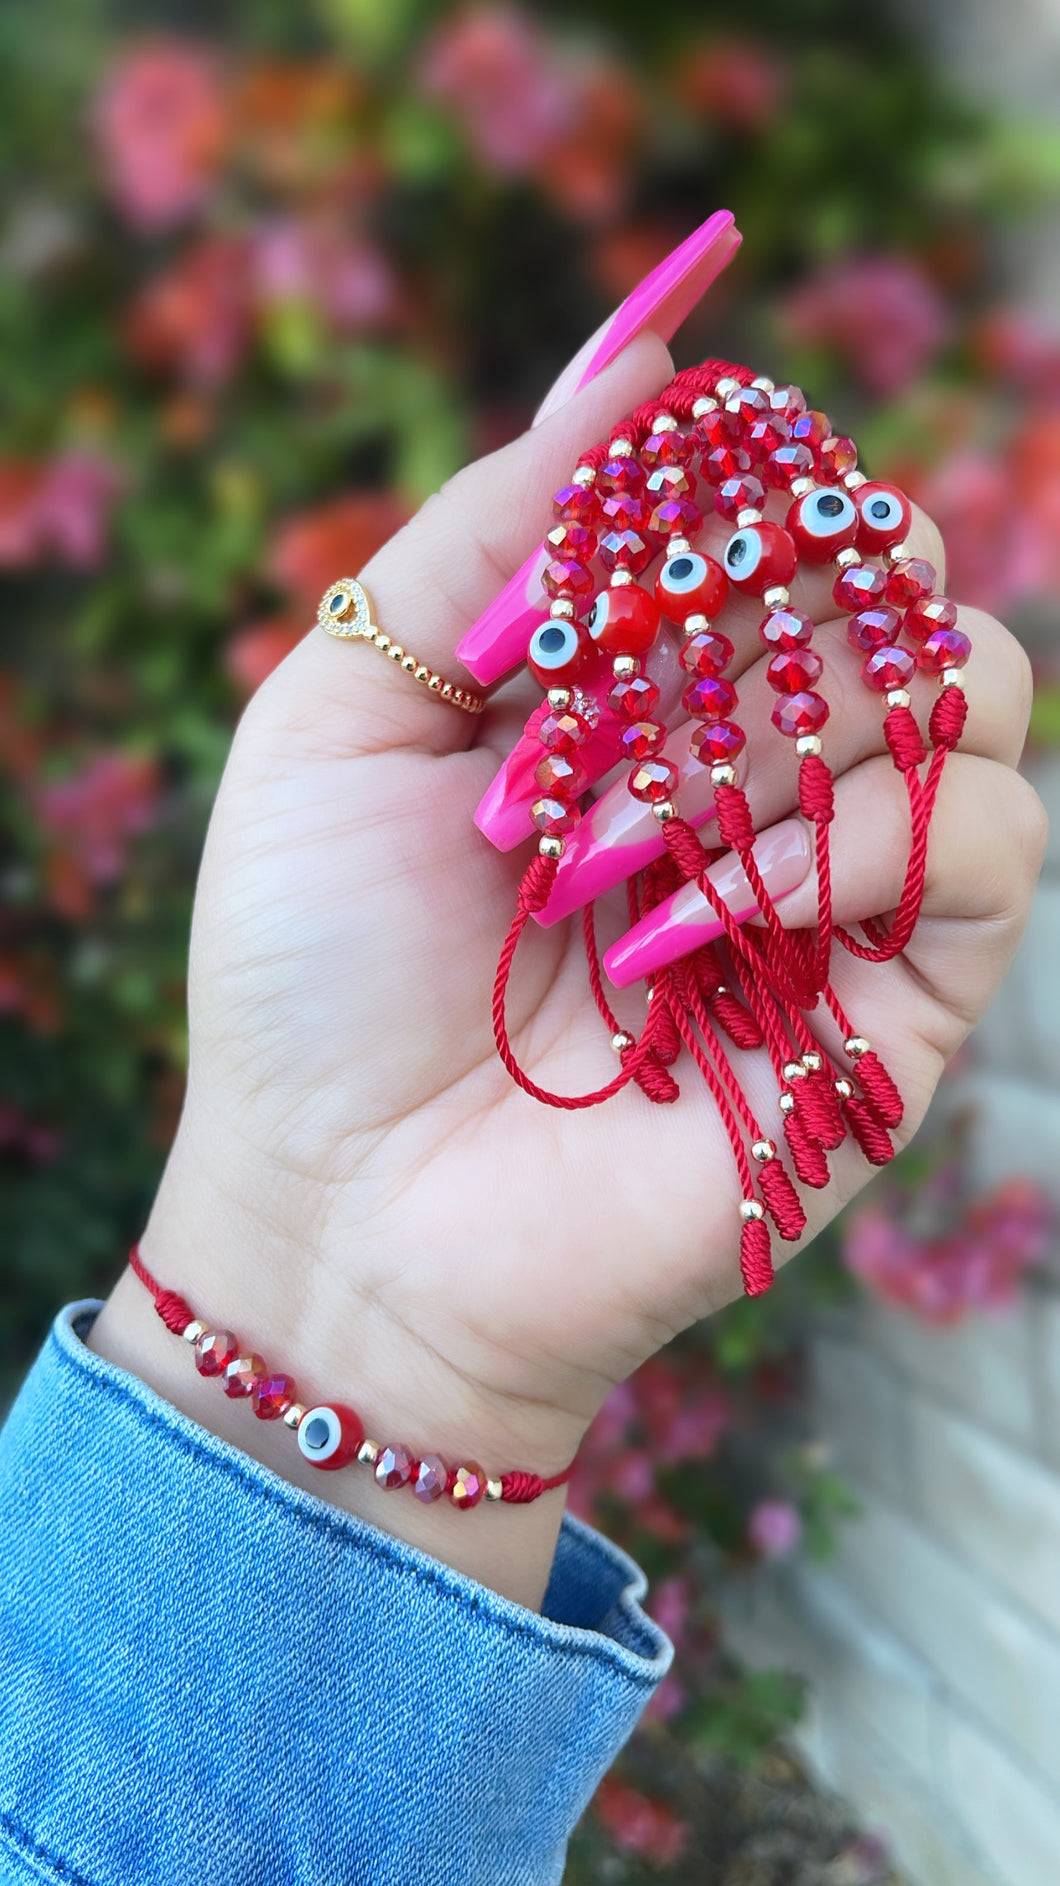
{"x": 330, "y": 1434}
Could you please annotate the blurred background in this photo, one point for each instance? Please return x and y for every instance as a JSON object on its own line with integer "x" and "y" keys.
{"x": 267, "y": 275}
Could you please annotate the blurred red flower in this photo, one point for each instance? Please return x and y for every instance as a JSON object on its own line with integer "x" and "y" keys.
{"x": 500, "y": 77}
{"x": 313, "y": 548}
{"x": 56, "y": 508}
{"x": 638, "y": 1823}
{"x": 880, "y": 313}
{"x": 161, "y": 124}
{"x": 293, "y": 123}
{"x": 194, "y": 318}
{"x": 89, "y": 819}
{"x": 978, "y": 1264}
{"x": 739, "y": 83}
{"x": 586, "y": 167}
{"x": 253, "y": 652}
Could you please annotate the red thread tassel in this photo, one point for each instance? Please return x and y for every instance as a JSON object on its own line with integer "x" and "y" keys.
{"x": 821, "y": 1111}
{"x": 781, "y": 1200}
{"x": 756, "y": 1261}
{"x": 870, "y": 1135}
{"x": 879, "y": 1090}
{"x": 807, "y": 1156}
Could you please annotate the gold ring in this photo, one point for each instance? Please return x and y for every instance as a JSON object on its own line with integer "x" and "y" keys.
{"x": 346, "y": 612}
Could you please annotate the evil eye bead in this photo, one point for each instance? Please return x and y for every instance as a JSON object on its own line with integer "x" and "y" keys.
{"x": 823, "y": 522}
{"x": 560, "y": 652}
{"x": 884, "y": 516}
{"x": 760, "y": 557}
{"x": 329, "y": 1435}
{"x": 624, "y": 621}
{"x": 690, "y": 585}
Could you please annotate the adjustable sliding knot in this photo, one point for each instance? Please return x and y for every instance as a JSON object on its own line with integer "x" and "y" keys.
{"x": 175, "y": 1313}
{"x": 781, "y": 1200}
{"x": 816, "y": 790}
{"x": 904, "y": 739}
{"x": 518, "y": 1487}
{"x": 947, "y": 718}
{"x": 735, "y": 824}
{"x": 879, "y": 1090}
{"x": 536, "y": 886}
{"x": 870, "y": 1135}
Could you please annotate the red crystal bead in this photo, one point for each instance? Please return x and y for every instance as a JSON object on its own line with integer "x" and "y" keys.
{"x": 739, "y": 494}
{"x": 214, "y": 1350}
{"x": 675, "y": 517}
{"x": 572, "y": 543}
{"x": 626, "y": 550}
{"x": 667, "y": 448}
{"x": 747, "y": 403}
{"x": 669, "y": 481}
{"x": 836, "y": 457}
{"x": 689, "y": 584}
{"x": 639, "y": 739}
{"x": 330, "y": 1435}
{"x": 577, "y": 504}
{"x": 562, "y": 730}
{"x": 786, "y": 628}
{"x": 624, "y": 621}
{"x": 554, "y": 816}
{"x": 242, "y": 1376}
{"x": 432, "y": 1478}
{"x": 760, "y": 557}
{"x": 933, "y": 612}
{"x": 561, "y": 775}
{"x": 719, "y": 428}
{"x": 788, "y": 462}
{"x": 634, "y": 699}
{"x": 909, "y": 580}
{"x": 797, "y": 714}
{"x": 765, "y": 435}
{"x": 860, "y": 587}
{"x": 794, "y": 670}
{"x": 718, "y": 742}
{"x": 811, "y": 428}
{"x": 822, "y": 523}
{"x": 571, "y": 581}
{"x": 620, "y": 474}
{"x": 272, "y": 1395}
{"x": 467, "y": 1485}
{"x": 888, "y": 667}
{"x": 623, "y": 510}
{"x": 789, "y": 401}
{"x": 709, "y": 698}
{"x": 725, "y": 461}
{"x": 945, "y": 648}
{"x": 872, "y": 628}
{"x": 706, "y": 653}
{"x": 393, "y": 1466}
{"x": 885, "y": 514}
{"x": 653, "y": 780}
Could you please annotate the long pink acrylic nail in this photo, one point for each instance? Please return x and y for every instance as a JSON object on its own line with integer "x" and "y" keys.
{"x": 686, "y": 920}
{"x": 498, "y": 640}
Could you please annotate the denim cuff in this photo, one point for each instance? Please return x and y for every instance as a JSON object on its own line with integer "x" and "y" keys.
{"x": 207, "y": 1672}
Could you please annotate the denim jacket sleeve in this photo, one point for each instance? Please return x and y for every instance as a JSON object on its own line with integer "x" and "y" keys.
{"x": 207, "y": 1673}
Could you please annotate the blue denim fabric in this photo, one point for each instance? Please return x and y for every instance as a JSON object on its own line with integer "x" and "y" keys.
{"x": 208, "y": 1674}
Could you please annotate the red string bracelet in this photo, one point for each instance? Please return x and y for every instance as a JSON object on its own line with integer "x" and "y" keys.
{"x": 330, "y": 1434}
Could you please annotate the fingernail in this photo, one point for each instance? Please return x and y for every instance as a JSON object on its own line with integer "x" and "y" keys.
{"x": 498, "y": 640}
{"x": 686, "y": 920}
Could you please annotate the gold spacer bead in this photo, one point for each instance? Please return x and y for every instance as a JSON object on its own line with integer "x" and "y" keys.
{"x": 777, "y": 598}
{"x": 494, "y": 1490}
{"x": 562, "y": 610}
{"x": 620, "y": 578}
{"x": 368, "y": 1453}
{"x": 856, "y": 1047}
{"x": 410, "y": 664}
{"x": 726, "y": 387}
{"x": 293, "y": 1414}
{"x": 722, "y": 989}
{"x": 584, "y": 475}
{"x": 194, "y": 1330}
{"x": 447, "y": 691}
{"x": 625, "y": 667}
{"x": 723, "y": 775}
{"x": 764, "y": 383}
{"x": 664, "y": 809}
{"x": 693, "y": 624}
{"x": 749, "y": 515}
{"x": 620, "y": 1041}
{"x": 897, "y": 553}
{"x": 812, "y": 1061}
{"x": 807, "y": 744}
{"x": 787, "y": 1103}
{"x": 664, "y": 422}
{"x": 677, "y": 547}
{"x": 763, "y": 1150}
{"x": 560, "y": 697}
{"x": 951, "y": 678}
{"x": 620, "y": 448}
{"x": 844, "y": 1089}
{"x": 422, "y": 673}
{"x": 897, "y": 697}
{"x": 704, "y": 406}
{"x": 848, "y": 559}
{"x": 801, "y": 487}
{"x": 793, "y": 1071}
{"x": 750, "y": 1208}
{"x": 550, "y": 845}
{"x": 395, "y": 652}
{"x": 854, "y": 480}
{"x": 382, "y": 641}
{"x": 435, "y": 684}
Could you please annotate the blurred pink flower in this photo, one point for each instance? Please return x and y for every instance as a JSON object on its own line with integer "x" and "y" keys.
{"x": 55, "y": 509}
{"x": 880, "y": 313}
{"x": 160, "y": 121}
{"x": 93, "y": 814}
{"x": 775, "y": 1528}
{"x": 737, "y": 82}
{"x": 638, "y": 1823}
{"x": 344, "y": 278}
{"x": 497, "y": 73}
{"x": 253, "y": 652}
{"x": 670, "y": 1603}
{"x": 193, "y": 319}
{"x": 978, "y": 1264}
{"x": 668, "y": 1700}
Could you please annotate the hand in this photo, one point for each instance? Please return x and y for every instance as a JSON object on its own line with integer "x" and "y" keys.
{"x": 356, "y": 1187}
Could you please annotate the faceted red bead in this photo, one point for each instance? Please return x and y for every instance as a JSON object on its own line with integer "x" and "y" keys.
{"x": 468, "y": 1485}
{"x": 624, "y": 621}
{"x": 709, "y": 698}
{"x": 640, "y": 738}
{"x": 561, "y": 775}
{"x": 571, "y": 581}
{"x": 242, "y": 1375}
{"x": 872, "y": 628}
{"x": 577, "y": 504}
{"x": 885, "y": 514}
{"x": 272, "y": 1395}
{"x": 786, "y": 628}
{"x": 719, "y": 428}
{"x": 934, "y": 612}
{"x": 760, "y": 557}
{"x": 620, "y": 474}
{"x": 653, "y": 780}
{"x": 623, "y": 510}
{"x": 797, "y": 714}
{"x": 215, "y": 1350}
{"x": 725, "y": 461}
{"x": 669, "y": 481}
{"x": 888, "y": 667}
{"x": 393, "y": 1466}
{"x": 794, "y": 670}
{"x": 626, "y": 550}
{"x": 689, "y": 584}
{"x": 747, "y": 403}
{"x": 858, "y": 588}
{"x": 822, "y": 523}
{"x": 554, "y": 816}
{"x": 675, "y": 517}
{"x": 789, "y": 401}
{"x": 431, "y": 1479}
{"x": 946, "y": 648}
{"x": 765, "y": 435}
{"x": 788, "y": 462}
{"x": 811, "y": 428}
{"x": 718, "y": 741}
{"x": 706, "y": 653}
{"x": 572, "y": 543}
{"x": 909, "y": 580}
{"x": 562, "y": 730}
{"x": 836, "y": 457}
{"x": 634, "y": 699}
{"x": 739, "y": 494}
{"x": 667, "y": 448}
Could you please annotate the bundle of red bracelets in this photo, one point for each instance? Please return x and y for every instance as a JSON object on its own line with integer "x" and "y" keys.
{"x": 720, "y": 436}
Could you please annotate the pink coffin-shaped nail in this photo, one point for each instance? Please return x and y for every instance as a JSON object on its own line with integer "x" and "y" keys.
{"x": 686, "y": 919}
{"x": 498, "y": 640}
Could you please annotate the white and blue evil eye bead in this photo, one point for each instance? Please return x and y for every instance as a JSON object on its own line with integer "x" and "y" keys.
{"x": 560, "y": 652}
{"x": 822, "y": 522}
{"x": 330, "y": 1435}
{"x": 760, "y": 557}
{"x": 690, "y": 585}
{"x": 884, "y": 516}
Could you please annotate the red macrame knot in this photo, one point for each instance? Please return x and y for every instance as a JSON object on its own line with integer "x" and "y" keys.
{"x": 756, "y": 1260}
{"x": 536, "y": 887}
{"x": 816, "y": 794}
{"x": 666, "y": 1038}
{"x": 175, "y": 1313}
{"x": 684, "y": 848}
{"x": 739, "y": 1024}
{"x": 879, "y": 1090}
{"x": 948, "y": 717}
{"x": 781, "y": 1200}
{"x": 651, "y": 1077}
{"x": 735, "y": 824}
{"x": 819, "y": 1107}
{"x": 807, "y": 1156}
{"x": 518, "y": 1487}
{"x": 904, "y": 739}
{"x": 874, "y": 1141}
